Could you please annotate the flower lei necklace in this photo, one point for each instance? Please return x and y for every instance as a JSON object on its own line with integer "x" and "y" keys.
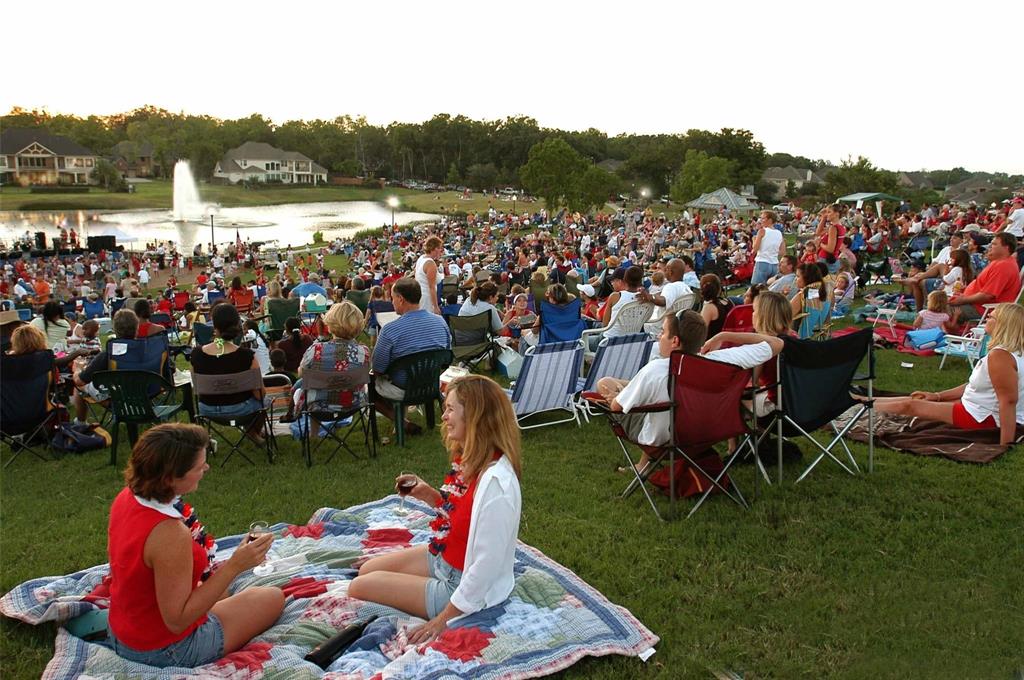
{"x": 454, "y": 487}
{"x": 199, "y": 535}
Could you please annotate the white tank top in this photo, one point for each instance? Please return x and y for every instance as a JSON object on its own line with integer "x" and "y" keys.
{"x": 421, "y": 278}
{"x": 979, "y": 397}
{"x": 625, "y": 297}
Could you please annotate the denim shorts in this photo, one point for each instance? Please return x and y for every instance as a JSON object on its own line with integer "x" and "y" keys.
{"x": 247, "y": 407}
{"x": 444, "y": 579}
{"x": 204, "y": 645}
{"x": 763, "y": 271}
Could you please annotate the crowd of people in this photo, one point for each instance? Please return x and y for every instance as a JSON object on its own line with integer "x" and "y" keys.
{"x": 168, "y": 607}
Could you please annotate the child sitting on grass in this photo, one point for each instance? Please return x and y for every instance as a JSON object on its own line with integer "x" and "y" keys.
{"x": 936, "y": 314}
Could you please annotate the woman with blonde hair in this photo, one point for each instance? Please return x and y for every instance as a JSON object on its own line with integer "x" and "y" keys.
{"x": 993, "y": 398}
{"x": 274, "y": 292}
{"x": 340, "y": 353}
{"x": 468, "y": 563}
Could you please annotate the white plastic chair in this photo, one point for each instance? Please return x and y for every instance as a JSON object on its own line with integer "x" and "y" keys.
{"x": 629, "y": 319}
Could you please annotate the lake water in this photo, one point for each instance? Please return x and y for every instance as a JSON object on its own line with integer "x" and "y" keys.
{"x": 289, "y": 224}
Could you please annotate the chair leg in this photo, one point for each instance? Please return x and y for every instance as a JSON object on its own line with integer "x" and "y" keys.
{"x": 133, "y": 433}
{"x": 429, "y": 413}
{"x": 115, "y": 429}
{"x": 399, "y": 408}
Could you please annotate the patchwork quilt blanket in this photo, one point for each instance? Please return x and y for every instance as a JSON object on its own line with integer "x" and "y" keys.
{"x": 551, "y": 620}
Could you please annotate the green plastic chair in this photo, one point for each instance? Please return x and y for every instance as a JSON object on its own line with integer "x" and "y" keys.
{"x": 280, "y": 310}
{"x": 131, "y": 404}
{"x": 423, "y": 386}
{"x": 360, "y": 298}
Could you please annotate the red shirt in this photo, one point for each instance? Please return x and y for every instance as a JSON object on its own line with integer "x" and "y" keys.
{"x": 451, "y": 526}
{"x": 1000, "y": 279}
{"x": 134, "y": 614}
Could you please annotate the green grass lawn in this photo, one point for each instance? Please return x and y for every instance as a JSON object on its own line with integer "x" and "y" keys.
{"x": 913, "y": 571}
{"x": 160, "y": 194}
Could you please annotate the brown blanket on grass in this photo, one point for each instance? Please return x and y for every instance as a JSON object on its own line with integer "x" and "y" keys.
{"x": 930, "y": 438}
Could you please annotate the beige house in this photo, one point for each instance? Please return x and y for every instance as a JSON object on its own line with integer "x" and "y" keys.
{"x": 781, "y": 177}
{"x": 34, "y": 156}
{"x": 257, "y": 161}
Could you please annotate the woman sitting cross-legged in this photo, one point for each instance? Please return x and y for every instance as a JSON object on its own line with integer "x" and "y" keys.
{"x": 168, "y": 606}
{"x": 993, "y": 398}
{"x": 468, "y": 564}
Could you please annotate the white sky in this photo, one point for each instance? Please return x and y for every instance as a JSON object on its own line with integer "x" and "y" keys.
{"x": 909, "y": 85}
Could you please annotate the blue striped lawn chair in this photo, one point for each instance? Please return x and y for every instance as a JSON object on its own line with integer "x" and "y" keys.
{"x": 547, "y": 382}
{"x": 617, "y": 357}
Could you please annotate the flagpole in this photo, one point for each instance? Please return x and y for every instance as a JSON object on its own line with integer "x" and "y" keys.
{"x": 211, "y": 237}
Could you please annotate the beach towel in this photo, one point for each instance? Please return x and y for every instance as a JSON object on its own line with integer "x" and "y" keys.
{"x": 551, "y": 620}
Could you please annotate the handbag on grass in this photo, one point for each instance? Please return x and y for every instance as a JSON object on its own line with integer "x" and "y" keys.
{"x": 80, "y": 437}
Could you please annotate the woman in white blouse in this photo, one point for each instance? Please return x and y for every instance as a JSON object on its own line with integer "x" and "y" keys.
{"x": 994, "y": 396}
{"x": 467, "y": 565}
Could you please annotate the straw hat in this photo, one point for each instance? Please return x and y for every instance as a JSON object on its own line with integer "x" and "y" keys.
{"x": 9, "y": 316}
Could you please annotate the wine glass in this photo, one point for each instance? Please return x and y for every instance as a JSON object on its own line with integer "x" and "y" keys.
{"x": 257, "y": 529}
{"x": 404, "y": 489}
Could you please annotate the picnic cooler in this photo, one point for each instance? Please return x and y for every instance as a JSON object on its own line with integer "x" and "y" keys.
{"x": 509, "y": 363}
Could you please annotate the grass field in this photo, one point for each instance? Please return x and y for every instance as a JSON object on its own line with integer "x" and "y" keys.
{"x": 913, "y": 571}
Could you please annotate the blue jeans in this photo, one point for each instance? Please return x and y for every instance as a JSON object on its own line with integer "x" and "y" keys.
{"x": 204, "y": 645}
{"x": 763, "y": 271}
{"x": 444, "y": 579}
{"x": 247, "y": 407}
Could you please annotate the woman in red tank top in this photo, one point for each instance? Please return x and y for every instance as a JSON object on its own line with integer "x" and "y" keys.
{"x": 467, "y": 565}
{"x": 830, "y": 233}
{"x": 165, "y": 596}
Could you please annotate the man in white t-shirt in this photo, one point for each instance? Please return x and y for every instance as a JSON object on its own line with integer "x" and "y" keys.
{"x": 685, "y": 331}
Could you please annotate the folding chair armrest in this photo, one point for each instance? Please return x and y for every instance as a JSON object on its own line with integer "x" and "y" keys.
{"x": 962, "y": 339}
{"x": 657, "y": 407}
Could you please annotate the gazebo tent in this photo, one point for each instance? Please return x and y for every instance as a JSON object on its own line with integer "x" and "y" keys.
{"x": 722, "y": 198}
{"x": 877, "y": 197}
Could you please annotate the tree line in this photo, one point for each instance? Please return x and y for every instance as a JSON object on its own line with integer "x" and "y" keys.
{"x": 572, "y": 168}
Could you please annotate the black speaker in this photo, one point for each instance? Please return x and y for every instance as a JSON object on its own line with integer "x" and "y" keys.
{"x": 41, "y": 240}
{"x": 98, "y": 243}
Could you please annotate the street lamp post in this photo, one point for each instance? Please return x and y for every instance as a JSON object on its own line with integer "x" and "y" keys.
{"x": 514, "y": 213}
{"x": 393, "y": 202}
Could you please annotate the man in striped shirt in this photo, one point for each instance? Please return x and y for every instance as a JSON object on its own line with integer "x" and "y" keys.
{"x": 413, "y": 331}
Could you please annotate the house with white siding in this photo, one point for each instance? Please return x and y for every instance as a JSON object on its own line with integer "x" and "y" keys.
{"x": 261, "y": 162}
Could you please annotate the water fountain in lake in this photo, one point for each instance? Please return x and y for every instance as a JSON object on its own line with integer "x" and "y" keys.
{"x": 187, "y": 205}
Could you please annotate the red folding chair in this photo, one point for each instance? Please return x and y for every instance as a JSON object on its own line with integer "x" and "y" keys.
{"x": 179, "y": 300}
{"x": 706, "y": 409}
{"x": 740, "y": 319}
